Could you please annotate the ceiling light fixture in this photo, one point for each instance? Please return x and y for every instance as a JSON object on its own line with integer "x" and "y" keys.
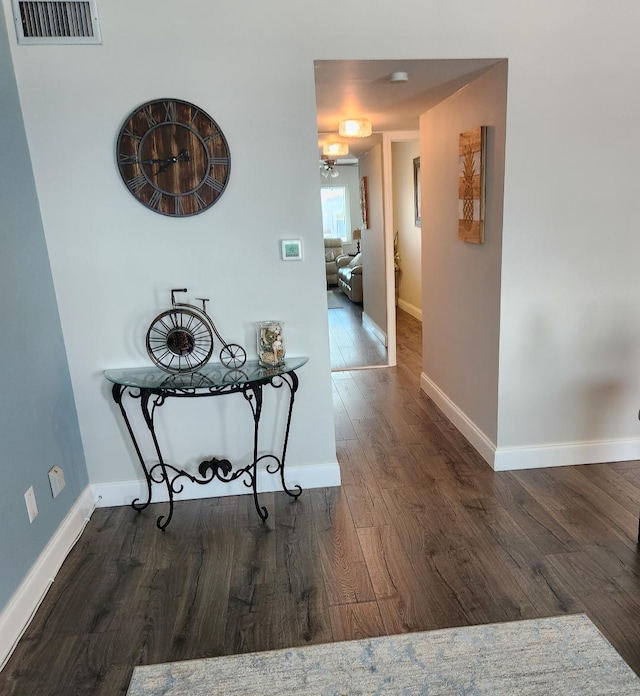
{"x": 328, "y": 168}
{"x": 399, "y": 77}
{"x": 335, "y": 149}
{"x": 355, "y": 128}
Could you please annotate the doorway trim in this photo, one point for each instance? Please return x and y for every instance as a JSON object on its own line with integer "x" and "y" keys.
{"x": 388, "y": 138}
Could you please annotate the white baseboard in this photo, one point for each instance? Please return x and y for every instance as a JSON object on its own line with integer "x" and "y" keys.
{"x": 486, "y": 448}
{"x": 534, "y": 456}
{"x": 22, "y": 606}
{"x": 116, "y": 493}
{"x": 414, "y": 311}
{"x": 567, "y": 454}
{"x": 370, "y": 325}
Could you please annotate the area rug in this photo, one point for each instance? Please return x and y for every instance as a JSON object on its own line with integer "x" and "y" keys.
{"x": 562, "y": 655}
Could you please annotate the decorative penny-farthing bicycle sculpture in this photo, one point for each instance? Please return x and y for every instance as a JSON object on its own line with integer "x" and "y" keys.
{"x": 180, "y": 339}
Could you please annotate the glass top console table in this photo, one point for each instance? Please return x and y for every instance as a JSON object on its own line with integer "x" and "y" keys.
{"x": 153, "y": 387}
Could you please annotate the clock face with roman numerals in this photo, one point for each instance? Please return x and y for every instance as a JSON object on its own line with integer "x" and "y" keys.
{"x": 173, "y": 157}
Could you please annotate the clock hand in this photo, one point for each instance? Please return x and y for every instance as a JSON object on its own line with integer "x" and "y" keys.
{"x": 153, "y": 161}
{"x": 182, "y": 156}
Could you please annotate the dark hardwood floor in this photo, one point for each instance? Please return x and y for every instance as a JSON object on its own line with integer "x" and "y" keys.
{"x": 351, "y": 344}
{"x": 422, "y": 535}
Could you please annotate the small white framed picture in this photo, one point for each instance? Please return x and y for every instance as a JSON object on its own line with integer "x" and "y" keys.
{"x": 291, "y": 249}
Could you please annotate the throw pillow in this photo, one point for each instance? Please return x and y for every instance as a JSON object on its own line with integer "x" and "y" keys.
{"x": 329, "y": 256}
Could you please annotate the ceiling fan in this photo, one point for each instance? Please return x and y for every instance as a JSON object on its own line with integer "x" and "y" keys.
{"x": 328, "y": 168}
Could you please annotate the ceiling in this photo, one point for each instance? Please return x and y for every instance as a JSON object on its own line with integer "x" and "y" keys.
{"x": 362, "y": 89}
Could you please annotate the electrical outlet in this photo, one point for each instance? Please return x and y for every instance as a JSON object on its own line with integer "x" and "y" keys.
{"x": 56, "y": 480}
{"x": 30, "y": 500}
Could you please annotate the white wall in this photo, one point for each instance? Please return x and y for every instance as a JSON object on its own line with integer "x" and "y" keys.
{"x": 409, "y": 236}
{"x": 570, "y": 335}
{"x": 461, "y": 281}
{"x": 114, "y": 261}
{"x": 569, "y": 357}
{"x": 374, "y": 288}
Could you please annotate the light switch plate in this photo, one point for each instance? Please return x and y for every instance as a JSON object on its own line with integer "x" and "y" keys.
{"x": 30, "y": 500}
{"x": 56, "y": 480}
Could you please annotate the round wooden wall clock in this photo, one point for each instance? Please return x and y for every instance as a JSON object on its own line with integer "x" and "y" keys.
{"x": 173, "y": 157}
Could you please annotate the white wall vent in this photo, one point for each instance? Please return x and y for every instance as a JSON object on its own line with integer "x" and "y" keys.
{"x": 56, "y": 22}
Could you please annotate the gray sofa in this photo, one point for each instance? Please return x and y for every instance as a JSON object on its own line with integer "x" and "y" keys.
{"x": 334, "y": 258}
{"x": 350, "y": 278}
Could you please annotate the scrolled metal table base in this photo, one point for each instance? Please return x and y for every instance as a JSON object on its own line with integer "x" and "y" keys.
{"x": 162, "y": 473}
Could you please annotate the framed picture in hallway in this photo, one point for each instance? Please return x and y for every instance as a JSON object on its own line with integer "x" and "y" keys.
{"x": 364, "y": 202}
{"x": 416, "y": 191}
{"x": 471, "y": 185}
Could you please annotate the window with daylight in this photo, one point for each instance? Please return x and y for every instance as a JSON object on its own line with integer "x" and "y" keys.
{"x": 335, "y": 212}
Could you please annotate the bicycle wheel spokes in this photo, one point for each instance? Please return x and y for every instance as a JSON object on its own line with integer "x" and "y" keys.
{"x": 232, "y": 355}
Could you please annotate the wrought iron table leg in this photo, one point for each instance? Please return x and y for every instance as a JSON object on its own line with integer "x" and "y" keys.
{"x": 257, "y": 412}
{"x": 118, "y": 392}
{"x": 148, "y": 414}
{"x": 293, "y": 388}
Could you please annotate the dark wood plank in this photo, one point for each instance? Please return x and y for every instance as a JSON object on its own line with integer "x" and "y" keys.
{"x": 575, "y": 509}
{"x": 366, "y": 505}
{"x": 614, "y": 611}
{"x": 341, "y": 560}
{"x": 298, "y": 556}
{"x": 409, "y": 599}
{"x": 356, "y": 621}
